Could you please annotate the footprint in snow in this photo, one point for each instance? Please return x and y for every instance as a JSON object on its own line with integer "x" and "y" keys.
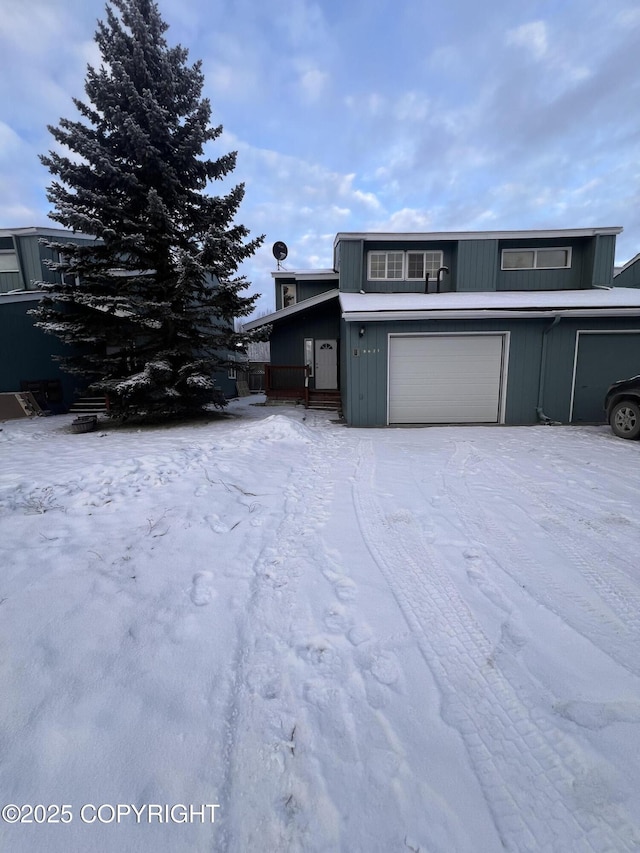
{"x": 359, "y": 634}
{"x": 215, "y": 524}
{"x": 384, "y": 668}
{"x": 345, "y": 589}
{"x": 201, "y": 592}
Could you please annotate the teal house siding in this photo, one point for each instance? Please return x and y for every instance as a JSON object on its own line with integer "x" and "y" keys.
{"x": 367, "y": 365}
{"x": 305, "y": 288}
{"x": 614, "y": 355}
{"x": 578, "y": 276}
{"x": 287, "y": 345}
{"x": 344, "y": 363}
{"x": 351, "y": 260}
{"x": 32, "y": 256}
{"x": 27, "y": 353}
{"x": 604, "y": 252}
{"x": 630, "y": 275}
{"x": 368, "y": 370}
{"x": 477, "y": 264}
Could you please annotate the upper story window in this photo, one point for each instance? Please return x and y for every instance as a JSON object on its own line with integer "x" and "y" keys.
{"x": 386, "y": 265}
{"x": 423, "y": 264}
{"x": 397, "y": 266}
{"x": 9, "y": 262}
{"x": 289, "y": 295}
{"x": 536, "y": 259}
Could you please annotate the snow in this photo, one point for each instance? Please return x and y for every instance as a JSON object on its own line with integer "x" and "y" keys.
{"x": 612, "y": 298}
{"x": 348, "y": 640}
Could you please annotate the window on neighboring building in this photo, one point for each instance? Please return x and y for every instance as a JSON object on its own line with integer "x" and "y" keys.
{"x": 421, "y": 264}
{"x": 9, "y": 262}
{"x": 66, "y": 278}
{"x": 386, "y": 265}
{"x": 540, "y": 259}
{"x": 289, "y": 296}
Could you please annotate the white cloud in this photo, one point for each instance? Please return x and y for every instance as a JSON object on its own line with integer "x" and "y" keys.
{"x": 407, "y": 219}
{"x": 10, "y": 142}
{"x": 532, "y": 36}
{"x": 313, "y": 82}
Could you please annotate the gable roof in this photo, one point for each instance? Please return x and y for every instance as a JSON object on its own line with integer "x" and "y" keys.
{"x": 290, "y": 310}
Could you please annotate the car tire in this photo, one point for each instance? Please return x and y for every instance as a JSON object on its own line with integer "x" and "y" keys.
{"x": 625, "y": 419}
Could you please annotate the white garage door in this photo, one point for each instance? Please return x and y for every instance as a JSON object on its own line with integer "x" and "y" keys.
{"x": 436, "y": 379}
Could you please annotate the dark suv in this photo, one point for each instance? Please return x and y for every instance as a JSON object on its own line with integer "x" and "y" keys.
{"x": 622, "y": 405}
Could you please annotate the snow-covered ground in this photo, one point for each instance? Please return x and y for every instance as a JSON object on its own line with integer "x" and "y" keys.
{"x": 368, "y": 641}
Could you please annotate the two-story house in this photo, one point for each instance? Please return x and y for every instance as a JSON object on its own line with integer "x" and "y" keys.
{"x": 494, "y": 327}
{"x": 27, "y": 354}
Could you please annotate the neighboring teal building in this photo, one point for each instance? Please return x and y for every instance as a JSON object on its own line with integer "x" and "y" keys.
{"x": 512, "y": 327}
{"x": 27, "y": 354}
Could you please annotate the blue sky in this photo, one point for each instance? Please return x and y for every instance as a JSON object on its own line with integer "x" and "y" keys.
{"x": 369, "y": 114}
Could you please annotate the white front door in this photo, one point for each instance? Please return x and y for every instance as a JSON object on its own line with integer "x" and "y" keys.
{"x": 326, "y": 364}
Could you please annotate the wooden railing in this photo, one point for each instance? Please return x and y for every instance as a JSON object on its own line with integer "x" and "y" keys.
{"x": 287, "y": 381}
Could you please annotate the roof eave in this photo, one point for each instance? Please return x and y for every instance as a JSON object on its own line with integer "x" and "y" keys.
{"x": 300, "y": 275}
{"x": 533, "y": 234}
{"x": 487, "y": 314}
{"x": 291, "y": 310}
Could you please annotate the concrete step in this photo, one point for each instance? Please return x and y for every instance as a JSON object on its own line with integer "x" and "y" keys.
{"x": 89, "y": 406}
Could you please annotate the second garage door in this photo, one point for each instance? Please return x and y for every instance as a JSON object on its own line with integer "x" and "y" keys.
{"x": 435, "y": 379}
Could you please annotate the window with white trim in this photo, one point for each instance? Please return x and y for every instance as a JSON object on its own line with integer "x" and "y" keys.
{"x": 421, "y": 264}
{"x": 9, "y": 262}
{"x": 407, "y": 266}
{"x": 289, "y": 295}
{"x": 554, "y": 258}
{"x": 385, "y": 266}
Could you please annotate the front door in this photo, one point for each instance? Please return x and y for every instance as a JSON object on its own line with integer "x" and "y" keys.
{"x": 326, "y": 364}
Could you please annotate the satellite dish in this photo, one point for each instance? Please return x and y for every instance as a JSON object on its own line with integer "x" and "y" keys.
{"x": 280, "y": 251}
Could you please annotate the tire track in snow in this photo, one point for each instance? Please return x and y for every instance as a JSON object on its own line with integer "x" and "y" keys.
{"x": 612, "y": 584}
{"x": 606, "y": 627}
{"x": 525, "y": 766}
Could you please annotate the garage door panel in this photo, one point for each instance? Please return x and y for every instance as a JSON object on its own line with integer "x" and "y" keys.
{"x": 445, "y": 379}
{"x": 602, "y": 359}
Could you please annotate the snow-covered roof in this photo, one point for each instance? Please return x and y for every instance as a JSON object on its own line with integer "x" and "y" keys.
{"x": 358, "y": 307}
{"x": 34, "y": 231}
{"x": 291, "y": 309}
{"x": 302, "y": 274}
{"x": 535, "y": 234}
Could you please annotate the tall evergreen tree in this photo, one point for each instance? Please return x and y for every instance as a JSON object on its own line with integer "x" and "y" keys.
{"x": 149, "y": 304}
